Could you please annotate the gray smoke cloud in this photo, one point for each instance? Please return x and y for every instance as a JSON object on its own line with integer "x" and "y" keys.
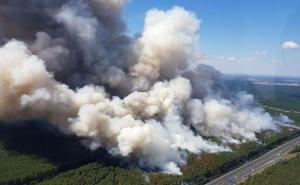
{"x": 147, "y": 98}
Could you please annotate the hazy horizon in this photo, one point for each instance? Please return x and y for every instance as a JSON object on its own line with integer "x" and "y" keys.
{"x": 248, "y": 37}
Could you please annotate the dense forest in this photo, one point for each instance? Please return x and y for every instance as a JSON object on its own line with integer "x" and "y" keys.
{"x": 282, "y": 173}
{"x": 32, "y": 152}
{"x": 97, "y": 174}
{"x": 272, "y": 98}
{"x": 201, "y": 169}
{"x": 296, "y": 150}
{"x": 16, "y": 168}
{"x": 57, "y": 159}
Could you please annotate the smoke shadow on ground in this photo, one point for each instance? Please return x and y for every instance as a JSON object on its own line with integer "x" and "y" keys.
{"x": 40, "y": 139}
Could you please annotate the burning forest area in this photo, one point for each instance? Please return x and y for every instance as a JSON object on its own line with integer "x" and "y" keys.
{"x": 147, "y": 98}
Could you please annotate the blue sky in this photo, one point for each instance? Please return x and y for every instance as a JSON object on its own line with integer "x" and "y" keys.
{"x": 238, "y": 36}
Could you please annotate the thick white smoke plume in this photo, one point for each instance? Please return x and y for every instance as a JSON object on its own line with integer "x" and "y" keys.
{"x": 136, "y": 97}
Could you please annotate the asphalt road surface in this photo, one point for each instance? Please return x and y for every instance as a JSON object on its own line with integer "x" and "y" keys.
{"x": 238, "y": 175}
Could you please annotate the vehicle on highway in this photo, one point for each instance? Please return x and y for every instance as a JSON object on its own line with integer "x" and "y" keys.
{"x": 231, "y": 179}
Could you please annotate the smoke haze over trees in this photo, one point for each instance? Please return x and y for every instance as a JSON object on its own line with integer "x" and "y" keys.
{"x": 148, "y": 98}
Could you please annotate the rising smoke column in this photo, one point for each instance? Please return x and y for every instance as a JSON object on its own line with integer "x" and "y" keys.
{"x": 146, "y": 98}
{"x": 124, "y": 126}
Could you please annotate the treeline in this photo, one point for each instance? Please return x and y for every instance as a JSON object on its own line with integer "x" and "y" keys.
{"x": 18, "y": 169}
{"x": 295, "y": 150}
{"x": 31, "y": 151}
{"x": 97, "y": 174}
{"x": 282, "y": 173}
{"x": 285, "y": 97}
{"x": 58, "y": 159}
{"x": 201, "y": 169}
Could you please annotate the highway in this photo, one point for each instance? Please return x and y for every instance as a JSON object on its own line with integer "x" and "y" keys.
{"x": 238, "y": 175}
